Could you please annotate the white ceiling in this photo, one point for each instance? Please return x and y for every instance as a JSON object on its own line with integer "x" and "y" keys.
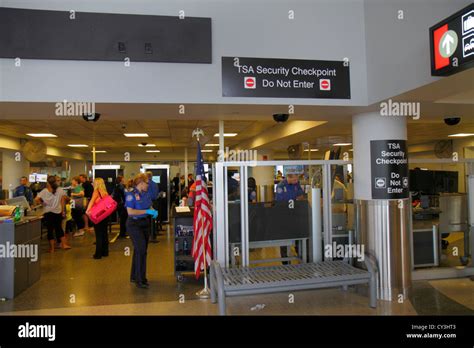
{"x": 171, "y": 131}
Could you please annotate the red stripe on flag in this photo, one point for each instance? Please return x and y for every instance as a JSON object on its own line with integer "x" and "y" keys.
{"x": 202, "y": 227}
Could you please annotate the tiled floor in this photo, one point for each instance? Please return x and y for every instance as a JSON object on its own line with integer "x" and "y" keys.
{"x": 72, "y": 283}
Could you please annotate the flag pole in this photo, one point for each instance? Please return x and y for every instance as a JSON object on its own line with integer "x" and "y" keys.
{"x": 204, "y": 293}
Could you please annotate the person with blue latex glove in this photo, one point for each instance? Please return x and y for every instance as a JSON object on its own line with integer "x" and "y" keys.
{"x": 139, "y": 208}
{"x": 153, "y": 213}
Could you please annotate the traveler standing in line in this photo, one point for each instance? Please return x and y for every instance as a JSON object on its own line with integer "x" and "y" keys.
{"x": 139, "y": 209}
{"x": 24, "y": 190}
{"x": 101, "y": 237}
{"x": 190, "y": 180}
{"x": 175, "y": 186}
{"x": 77, "y": 195}
{"x": 53, "y": 200}
{"x": 88, "y": 191}
{"x": 153, "y": 191}
{"x": 119, "y": 196}
{"x": 252, "y": 189}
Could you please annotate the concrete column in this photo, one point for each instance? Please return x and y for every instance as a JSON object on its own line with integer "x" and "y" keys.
{"x": 264, "y": 177}
{"x": 13, "y": 170}
{"x": 382, "y": 226}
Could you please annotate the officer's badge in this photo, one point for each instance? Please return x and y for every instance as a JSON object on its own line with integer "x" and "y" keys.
{"x": 129, "y": 198}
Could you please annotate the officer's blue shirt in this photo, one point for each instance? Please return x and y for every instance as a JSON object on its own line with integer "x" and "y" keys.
{"x": 137, "y": 200}
{"x": 153, "y": 190}
{"x": 286, "y": 191}
{"x": 24, "y": 191}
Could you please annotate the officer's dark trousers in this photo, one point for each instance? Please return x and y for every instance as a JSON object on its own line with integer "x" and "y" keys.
{"x": 101, "y": 238}
{"x": 139, "y": 231}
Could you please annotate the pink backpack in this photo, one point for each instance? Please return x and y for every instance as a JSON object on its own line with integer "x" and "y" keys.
{"x": 102, "y": 208}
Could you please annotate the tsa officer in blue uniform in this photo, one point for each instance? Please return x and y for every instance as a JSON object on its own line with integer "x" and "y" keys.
{"x": 139, "y": 209}
{"x": 288, "y": 189}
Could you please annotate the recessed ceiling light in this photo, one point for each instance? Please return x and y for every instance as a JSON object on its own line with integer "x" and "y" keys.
{"x": 99, "y": 151}
{"x": 226, "y": 134}
{"x": 42, "y": 135}
{"x": 136, "y": 135}
{"x": 206, "y": 150}
{"x": 460, "y": 135}
{"x": 342, "y": 144}
{"x": 153, "y": 151}
{"x": 312, "y": 150}
{"x": 147, "y": 145}
{"x": 351, "y": 150}
{"x": 213, "y": 145}
{"x": 77, "y": 145}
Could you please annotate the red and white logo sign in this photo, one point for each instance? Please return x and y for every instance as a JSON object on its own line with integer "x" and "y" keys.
{"x": 250, "y": 82}
{"x": 440, "y": 61}
{"x": 325, "y": 85}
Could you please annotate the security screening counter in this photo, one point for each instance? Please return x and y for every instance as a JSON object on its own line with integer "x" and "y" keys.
{"x": 20, "y": 261}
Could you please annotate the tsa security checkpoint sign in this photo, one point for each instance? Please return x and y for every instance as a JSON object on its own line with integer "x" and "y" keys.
{"x": 389, "y": 167}
{"x": 285, "y": 78}
{"x": 452, "y": 43}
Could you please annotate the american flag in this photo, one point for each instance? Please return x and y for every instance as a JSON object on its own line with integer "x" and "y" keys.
{"x": 202, "y": 219}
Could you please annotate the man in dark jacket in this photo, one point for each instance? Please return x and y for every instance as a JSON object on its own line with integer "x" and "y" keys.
{"x": 87, "y": 186}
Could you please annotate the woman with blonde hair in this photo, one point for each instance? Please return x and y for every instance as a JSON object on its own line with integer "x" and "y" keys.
{"x": 101, "y": 237}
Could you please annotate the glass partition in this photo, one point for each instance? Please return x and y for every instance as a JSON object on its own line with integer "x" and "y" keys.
{"x": 440, "y": 195}
{"x": 276, "y": 212}
{"x": 342, "y": 209}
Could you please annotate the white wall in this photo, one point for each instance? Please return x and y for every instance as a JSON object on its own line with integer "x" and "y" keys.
{"x": 12, "y": 170}
{"x": 398, "y": 51}
{"x": 322, "y": 30}
{"x": 77, "y": 167}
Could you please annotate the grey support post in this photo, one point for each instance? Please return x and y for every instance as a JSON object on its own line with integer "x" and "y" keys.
{"x": 212, "y": 281}
{"x": 372, "y": 268}
{"x": 219, "y": 286}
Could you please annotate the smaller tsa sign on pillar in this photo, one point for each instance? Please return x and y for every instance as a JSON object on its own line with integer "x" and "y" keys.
{"x": 285, "y": 78}
{"x": 389, "y": 166}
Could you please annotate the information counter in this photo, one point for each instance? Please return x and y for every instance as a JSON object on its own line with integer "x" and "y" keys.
{"x": 20, "y": 263}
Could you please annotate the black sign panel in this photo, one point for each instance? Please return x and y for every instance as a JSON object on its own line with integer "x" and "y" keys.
{"x": 389, "y": 165}
{"x": 39, "y": 34}
{"x": 452, "y": 43}
{"x": 285, "y": 78}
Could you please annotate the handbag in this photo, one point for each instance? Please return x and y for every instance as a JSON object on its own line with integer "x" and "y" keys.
{"x": 102, "y": 208}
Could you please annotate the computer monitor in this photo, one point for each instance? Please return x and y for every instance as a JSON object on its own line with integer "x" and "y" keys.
{"x": 20, "y": 201}
{"x": 42, "y": 177}
{"x": 32, "y": 178}
{"x": 156, "y": 179}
